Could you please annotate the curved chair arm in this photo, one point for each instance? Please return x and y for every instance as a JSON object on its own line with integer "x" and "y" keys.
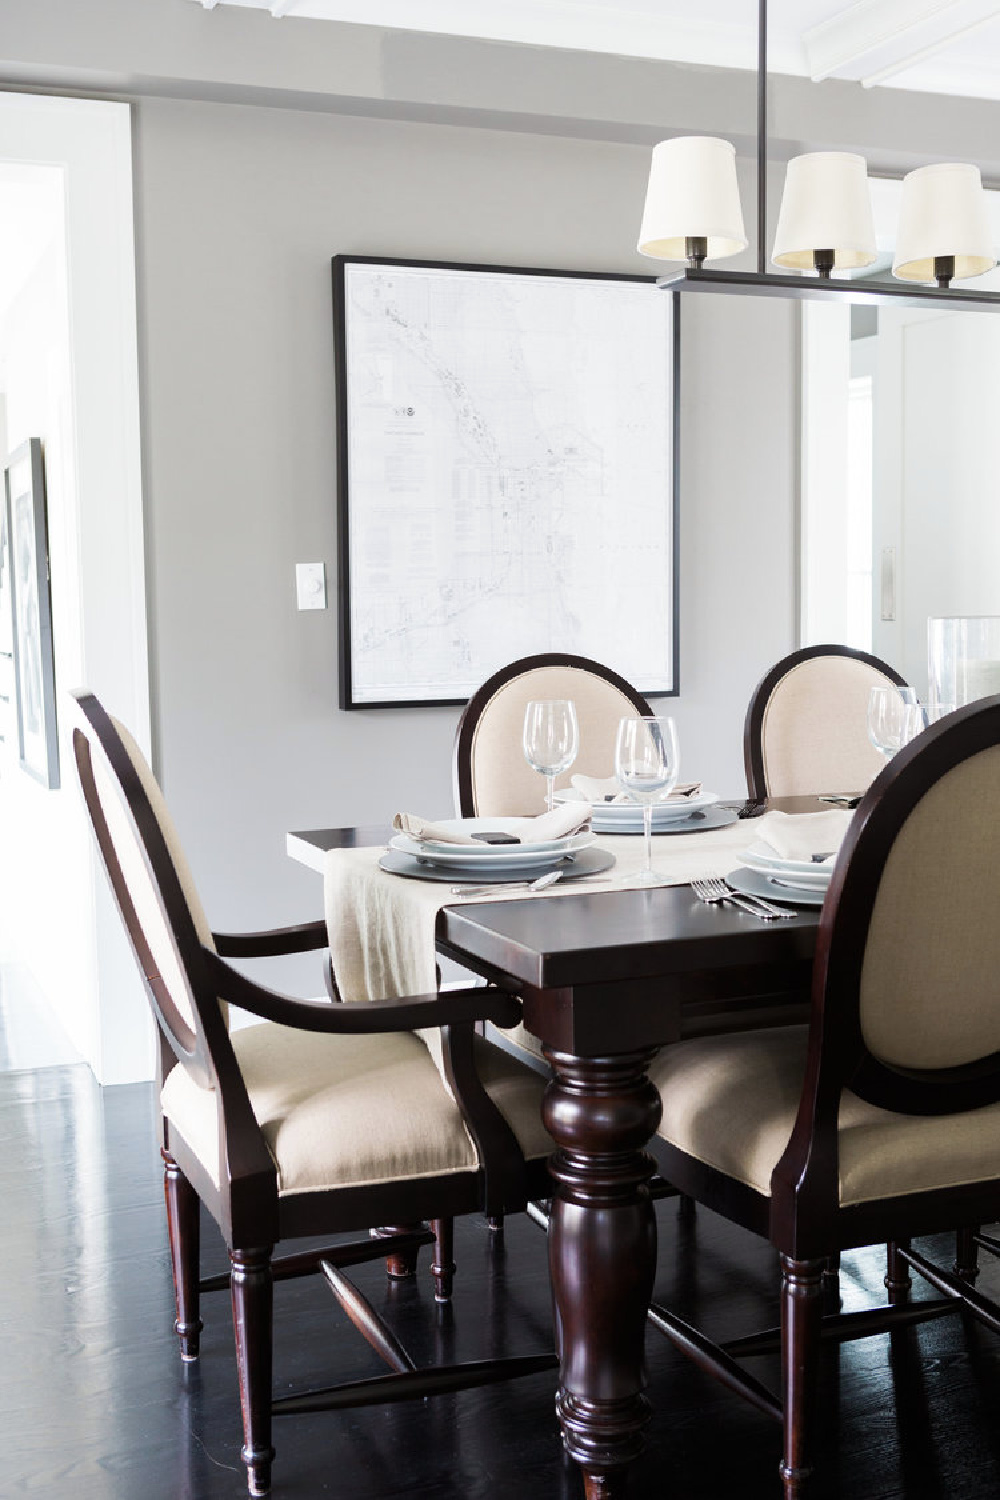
{"x": 301, "y": 939}
{"x": 413, "y": 1011}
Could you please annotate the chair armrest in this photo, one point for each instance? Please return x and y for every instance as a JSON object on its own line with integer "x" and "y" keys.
{"x": 301, "y": 939}
{"x": 412, "y": 1011}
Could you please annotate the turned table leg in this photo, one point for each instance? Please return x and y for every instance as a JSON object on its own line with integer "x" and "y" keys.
{"x": 602, "y": 1256}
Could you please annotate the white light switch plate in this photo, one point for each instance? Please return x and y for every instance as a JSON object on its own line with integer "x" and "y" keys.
{"x": 310, "y": 585}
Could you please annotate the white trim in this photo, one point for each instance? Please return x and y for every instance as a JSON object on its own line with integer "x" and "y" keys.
{"x": 881, "y": 37}
{"x": 104, "y": 1008}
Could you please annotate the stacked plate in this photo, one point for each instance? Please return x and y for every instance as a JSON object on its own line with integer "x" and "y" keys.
{"x": 796, "y": 881}
{"x": 680, "y": 816}
{"x": 484, "y": 861}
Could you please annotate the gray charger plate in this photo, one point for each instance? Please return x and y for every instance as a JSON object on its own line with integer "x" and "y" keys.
{"x": 753, "y": 883}
{"x": 697, "y": 822}
{"x": 587, "y": 862}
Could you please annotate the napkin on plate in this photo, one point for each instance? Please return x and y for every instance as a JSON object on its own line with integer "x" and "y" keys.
{"x": 801, "y": 836}
{"x": 567, "y": 819}
{"x": 605, "y": 789}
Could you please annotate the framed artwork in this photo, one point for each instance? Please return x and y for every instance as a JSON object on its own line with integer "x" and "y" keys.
{"x": 31, "y": 614}
{"x": 507, "y": 475}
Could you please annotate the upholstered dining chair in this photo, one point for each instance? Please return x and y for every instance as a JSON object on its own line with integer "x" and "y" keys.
{"x": 491, "y": 775}
{"x": 880, "y": 1121}
{"x": 321, "y": 1118}
{"x": 806, "y": 726}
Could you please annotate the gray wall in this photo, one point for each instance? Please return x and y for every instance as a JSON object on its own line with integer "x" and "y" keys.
{"x": 239, "y": 210}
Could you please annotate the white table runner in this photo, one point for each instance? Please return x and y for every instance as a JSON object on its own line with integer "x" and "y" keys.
{"x": 382, "y": 926}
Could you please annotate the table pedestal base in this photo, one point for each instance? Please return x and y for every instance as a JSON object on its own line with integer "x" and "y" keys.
{"x": 602, "y": 1256}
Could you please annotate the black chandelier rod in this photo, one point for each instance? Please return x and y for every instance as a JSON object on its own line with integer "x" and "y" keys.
{"x": 761, "y": 136}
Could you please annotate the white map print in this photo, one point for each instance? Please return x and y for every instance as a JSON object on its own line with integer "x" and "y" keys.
{"x": 510, "y": 477}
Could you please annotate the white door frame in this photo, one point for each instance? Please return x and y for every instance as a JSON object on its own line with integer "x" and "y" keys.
{"x": 91, "y": 140}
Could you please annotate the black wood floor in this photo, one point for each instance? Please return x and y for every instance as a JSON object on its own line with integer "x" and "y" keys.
{"x": 94, "y": 1401}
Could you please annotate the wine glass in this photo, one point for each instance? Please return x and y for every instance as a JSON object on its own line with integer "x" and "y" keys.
{"x": 551, "y": 739}
{"x": 647, "y": 761}
{"x": 894, "y": 718}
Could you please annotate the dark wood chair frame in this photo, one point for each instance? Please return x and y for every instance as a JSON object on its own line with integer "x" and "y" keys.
{"x": 251, "y": 1214}
{"x": 803, "y": 1217}
{"x": 753, "y": 729}
{"x": 473, "y": 711}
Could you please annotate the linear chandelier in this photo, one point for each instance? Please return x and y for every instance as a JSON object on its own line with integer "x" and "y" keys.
{"x": 693, "y": 214}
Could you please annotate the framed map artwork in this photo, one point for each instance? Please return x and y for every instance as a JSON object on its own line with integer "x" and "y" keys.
{"x": 507, "y": 476}
{"x": 31, "y": 613}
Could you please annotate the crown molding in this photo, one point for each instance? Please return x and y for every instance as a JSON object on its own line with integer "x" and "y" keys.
{"x": 876, "y": 39}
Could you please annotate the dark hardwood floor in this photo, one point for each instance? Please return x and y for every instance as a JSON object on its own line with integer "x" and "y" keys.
{"x": 95, "y": 1403}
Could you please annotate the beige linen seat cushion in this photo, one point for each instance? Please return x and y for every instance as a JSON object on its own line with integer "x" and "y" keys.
{"x": 731, "y": 1103}
{"x": 347, "y": 1111}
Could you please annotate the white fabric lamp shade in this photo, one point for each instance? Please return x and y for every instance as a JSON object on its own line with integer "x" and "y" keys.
{"x": 826, "y": 206}
{"x": 692, "y": 193}
{"x": 943, "y": 213}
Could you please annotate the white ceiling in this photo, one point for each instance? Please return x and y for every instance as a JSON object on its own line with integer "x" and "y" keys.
{"x": 939, "y": 46}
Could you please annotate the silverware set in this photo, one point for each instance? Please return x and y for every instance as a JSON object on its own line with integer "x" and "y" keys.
{"x": 714, "y": 891}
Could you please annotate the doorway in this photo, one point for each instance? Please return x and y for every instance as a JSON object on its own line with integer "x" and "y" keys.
{"x": 68, "y": 378}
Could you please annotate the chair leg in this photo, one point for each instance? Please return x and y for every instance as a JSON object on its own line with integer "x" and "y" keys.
{"x": 966, "y": 1256}
{"x": 801, "y": 1312}
{"x": 687, "y": 1208}
{"x": 443, "y": 1265}
{"x": 401, "y": 1266}
{"x": 252, "y": 1309}
{"x": 184, "y": 1230}
{"x": 897, "y": 1273}
{"x": 494, "y": 1223}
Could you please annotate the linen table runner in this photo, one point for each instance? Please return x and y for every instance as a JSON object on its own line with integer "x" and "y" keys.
{"x": 382, "y": 927}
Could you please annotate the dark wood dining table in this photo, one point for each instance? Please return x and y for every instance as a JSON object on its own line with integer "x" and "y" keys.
{"x": 606, "y": 979}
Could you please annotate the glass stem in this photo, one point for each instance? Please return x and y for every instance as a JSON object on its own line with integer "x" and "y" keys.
{"x": 647, "y": 828}
{"x": 550, "y": 795}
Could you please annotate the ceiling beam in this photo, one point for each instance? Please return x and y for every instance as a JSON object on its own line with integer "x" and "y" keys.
{"x": 874, "y": 39}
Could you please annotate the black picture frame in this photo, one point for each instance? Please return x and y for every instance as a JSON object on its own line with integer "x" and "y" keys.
{"x": 351, "y": 698}
{"x": 31, "y": 613}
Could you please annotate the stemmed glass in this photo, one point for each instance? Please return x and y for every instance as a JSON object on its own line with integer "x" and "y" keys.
{"x": 894, "y": 718}
{"x": 647, "y": 761}
{"x": 551, "y": 740}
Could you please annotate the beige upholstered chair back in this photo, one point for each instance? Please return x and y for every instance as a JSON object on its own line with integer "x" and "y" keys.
{"x": 930, "y": 979}
{"x": 502, "y": 782}
{"x": 814, "y": 735}
{"x": 128, "y": 812}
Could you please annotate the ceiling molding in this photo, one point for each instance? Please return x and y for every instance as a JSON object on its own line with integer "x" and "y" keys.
{"x": 876, "y": 39}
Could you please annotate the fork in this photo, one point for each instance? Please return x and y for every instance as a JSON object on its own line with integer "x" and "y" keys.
{"x": 713, "y": 891}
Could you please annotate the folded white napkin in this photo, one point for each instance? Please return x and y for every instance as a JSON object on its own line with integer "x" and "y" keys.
{"x": 800, "y": 836}
{"x": 604, "y": 789}
{"x": 562, "y": 821}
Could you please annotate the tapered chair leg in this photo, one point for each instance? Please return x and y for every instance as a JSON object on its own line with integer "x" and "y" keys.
{"x": 252, "y": 1316}
{"x": 897, "y": 1273}
{"x": 443, "y": 1265}
{"x": 184, "y": 1229}
{"x": 966, "y": 1256}
{"x": 801, "y": 1312}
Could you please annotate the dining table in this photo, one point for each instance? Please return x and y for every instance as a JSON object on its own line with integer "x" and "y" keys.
{"x": 607, "y": 977}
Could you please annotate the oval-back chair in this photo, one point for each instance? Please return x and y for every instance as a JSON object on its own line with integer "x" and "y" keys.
{"x": 320, "y": 1119}
{"x": 491, "y": 775}
{"x": 806, "y": 726}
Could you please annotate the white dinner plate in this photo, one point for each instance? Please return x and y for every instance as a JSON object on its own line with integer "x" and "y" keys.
{"x": 498, "y": 856}
{"x": 481, "y": 849}
{"x": 816, "y": 879}
{"x": 755, "y": 883}
{"x": 626, "y": 812}
{"x": 762, "y": 854}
